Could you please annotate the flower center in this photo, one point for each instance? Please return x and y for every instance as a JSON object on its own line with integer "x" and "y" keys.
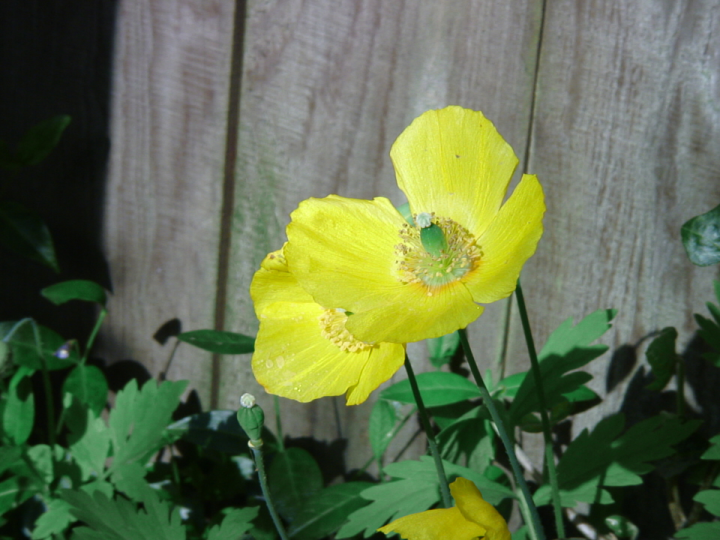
{"x": 439, "y": 252}
{"x": 332, "y": 328}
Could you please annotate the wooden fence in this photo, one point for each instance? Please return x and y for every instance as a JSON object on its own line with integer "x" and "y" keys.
{"x": 225, "y": 115}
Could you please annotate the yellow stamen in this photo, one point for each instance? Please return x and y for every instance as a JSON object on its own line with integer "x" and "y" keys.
{"x": 332, "y": 328}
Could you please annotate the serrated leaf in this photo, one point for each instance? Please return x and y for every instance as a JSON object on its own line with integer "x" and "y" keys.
{"x": 416, "y": 490}
{"x": 26, "y": 234}
{"x": 381, "y": 427}
{"x": 437, "y": 388}
{"x": 603, "y": 458}
{"x": 326, "y": 511}
{"x": 701, "y": 238}
{"x": 711, "y": 499}
{"x": 293, "y": 478}
{"x": 219, "y": 342}
{"x": 700, "y": 531}
{"x": 234, "y": 525}
{"x": 217, "y": 430}
{"x": 54, "y": 520}
{"x": 443, "y": 348}
{"x": 77, "y": 289}
{"x": 714, "y": 451}
{"x": 18, "y": 415}
{"x": 27, "y": 350}
{"x": 89, "y": 385}
{"x": 139, "y": 419}
{"x": 129, "y": 479}
{"x": 120, "y": 519}
{"x": 40, "y": 456}
{"x": 568, "y": 348}
{"x": 662, "y": 358}
{"x": 89, "y": 442}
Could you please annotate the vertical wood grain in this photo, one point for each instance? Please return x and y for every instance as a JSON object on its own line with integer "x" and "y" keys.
{"x": 170, "y": 97}
{"x": 327, "y": 87}
{"x": 627, "y": 141}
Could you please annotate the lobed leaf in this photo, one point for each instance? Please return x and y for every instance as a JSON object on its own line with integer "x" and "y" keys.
{"x": 235, "y": 524}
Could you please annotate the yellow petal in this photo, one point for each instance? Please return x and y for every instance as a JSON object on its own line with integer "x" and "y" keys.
{"x": 508, "y": 243}
{"x": 474, "y": 508}
{"x": 409, "y": 314}
{"x": 453, "y": 162}
{"x": 343, "y": 253}
{"x": 441, "y": 524}
{"x": 274, "y": 283}
{"x": 292, "y": 358}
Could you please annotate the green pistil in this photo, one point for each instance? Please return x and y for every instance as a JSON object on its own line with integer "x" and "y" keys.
{"x": 433, "y": 240}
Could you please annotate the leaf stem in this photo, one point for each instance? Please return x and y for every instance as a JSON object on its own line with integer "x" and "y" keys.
{"x": 547, "y": 434}
{"x": 425, "y": 421}
{"x": 278, "y": 424}
{"x": 93, "y": 335}
{"x": 259, "y": 461}
{"x": 534, "y": 519}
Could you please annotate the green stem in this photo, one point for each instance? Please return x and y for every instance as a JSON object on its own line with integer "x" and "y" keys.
{"x": 534, "y": 521}
{"x": 540, "y": 390}
{"x": 425, "y": 421}
{"x": 278, "y": 424}
{"x": 258, "y": 455}
{"x": 680, "y": 380}
{"x": 93, "y": 335}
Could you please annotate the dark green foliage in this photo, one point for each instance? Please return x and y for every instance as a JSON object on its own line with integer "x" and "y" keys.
{"x": 701, "y": 238}
{"x": 662, "y": 358}
{"x": 24, "y": 232}
{"x": 78, "y": 289}
{"x": 219, "y": 342}
{"x": 437, "y": 388}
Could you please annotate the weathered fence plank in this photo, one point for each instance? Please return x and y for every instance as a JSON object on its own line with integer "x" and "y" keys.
{"x": 627, "y": 140}
{"x": 327, "y": 87}
{"x": 170, "y": 98}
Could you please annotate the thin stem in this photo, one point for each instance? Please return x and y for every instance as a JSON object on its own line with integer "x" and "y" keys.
{"x": 680, "y": 380}
{"x": 93, "y": 335}
{"x": 534, "y": 519}
{"x": 425, "y": 421}
{"x": 278, "y": 424}
{"x": 540, "y": 390}
{"x": 258, "y": 455}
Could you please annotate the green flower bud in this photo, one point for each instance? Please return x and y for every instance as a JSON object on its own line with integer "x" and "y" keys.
{"x": 251, "y": 418}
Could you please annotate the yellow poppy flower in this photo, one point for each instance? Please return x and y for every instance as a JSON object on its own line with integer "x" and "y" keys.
{"x": 472, "y": 517}
{"x": 404, "y": 282}
{"x": 303, "y": 351}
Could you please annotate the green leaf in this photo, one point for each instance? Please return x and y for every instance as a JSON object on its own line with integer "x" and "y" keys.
{"x": 89, "y": 442}
{"x": 701, "y": 238}
{"x": 662, "y": 358}
{"x": 9, "y": 490}
{"x": 603, "y": 458}
{"x": 139, "y": 419}
{"x": 443, "y": 348}
{"x": 217, "y": 430}
{"x": 294, "y": 476}
{"x": 120, "y": 519}
{"x": 26, "y": 348}
{"x": 622, "y": 527}
{"x": 327, "y": 510}
{"x": 40, "y": 456}
{"x": 568, "y": 348}
{"x": 18, "y": 415}
{"x": 235, "y": 524}
{"x": 26, "y": 234}
{"x": 36, "y": 143}
{"x": 219, "y": 342}
{"x": 129, "y": 479}
{"x": 711, "y": 499}
{"x": 700, "y": 531}
{"x": 89, "y": 385}
{"x": 54, "y": 520}
{"x": 77, "y": 289}
{"x": 416, "y": 490}
{"x": 437, "y": 388}
{"x": 714, "y": 451}
{"x": 381, "y": 427}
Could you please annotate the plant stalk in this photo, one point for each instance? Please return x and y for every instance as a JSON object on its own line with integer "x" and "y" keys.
{"x": 260, "y": 462}
{"x": 534, "y": 519}
{"x": 547, "y": 434}
{"x": 425, "y": 421}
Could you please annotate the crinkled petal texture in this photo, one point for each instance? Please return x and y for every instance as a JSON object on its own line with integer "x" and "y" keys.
{"x": 472, "y": 517}
{"x": 343, "y": 252}
{"x": 294, "y": 359}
